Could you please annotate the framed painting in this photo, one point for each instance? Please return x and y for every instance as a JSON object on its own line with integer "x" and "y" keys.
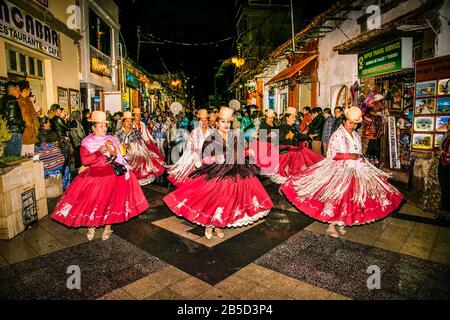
{"x": 74, "y": 99}
{"x": 422, "y": 141}
{"x": 63, "y": 98}
{"x": 427, "y": 88}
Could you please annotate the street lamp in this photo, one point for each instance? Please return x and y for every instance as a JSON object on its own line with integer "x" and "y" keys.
{"x": 238, "y": 61}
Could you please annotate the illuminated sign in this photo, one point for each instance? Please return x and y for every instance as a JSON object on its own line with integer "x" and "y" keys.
{"x": 17, "y": 25}
{"x": 100, "y": 68}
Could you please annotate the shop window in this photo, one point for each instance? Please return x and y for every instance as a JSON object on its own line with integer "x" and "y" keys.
{"x": 283, "y": 101}
{"x": 23, "y": 63}
{"x": 39, "y": 69}
{"x": 99, "y": 33}
{"x": 31, "y": 66}
{"x": 272, "y": 98}
{"x": 12, "y": 60}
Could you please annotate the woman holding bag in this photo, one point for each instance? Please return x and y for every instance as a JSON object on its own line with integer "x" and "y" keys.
{"x": 105, "y": 193}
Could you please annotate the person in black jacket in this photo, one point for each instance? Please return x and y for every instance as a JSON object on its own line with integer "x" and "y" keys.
{"x": 268, "y": 125}
{"x": 10, "y": 111}
{"x": 316, "y": 128}
{"x": 339, "y": 117}
{"x": 61, "y": 128}
{"x": 294, "y": 157}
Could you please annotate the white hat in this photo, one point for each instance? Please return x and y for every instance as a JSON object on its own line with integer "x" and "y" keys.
{"x": 137, "y": 110}
{"x": 127, "y": 115}
{"x": 98, "y": 117}
{"x": 378, "y": 97}
{"x": 270, "y": 113}
{"x": 226, "y": 113}
{"x": 202, "y": 114}
{"x": 291, "y": 110}
{"x": 354, "y": 114}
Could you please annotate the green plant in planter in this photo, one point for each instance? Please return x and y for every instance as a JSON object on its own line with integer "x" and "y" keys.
{"x": 5, "y": 135}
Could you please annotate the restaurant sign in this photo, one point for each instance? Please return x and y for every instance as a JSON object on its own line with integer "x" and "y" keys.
{"x": 389, "y": 57}
{"x": 17, "y": 25}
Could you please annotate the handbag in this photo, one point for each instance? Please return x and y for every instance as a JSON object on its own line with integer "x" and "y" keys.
{"x": 119, "y": 169}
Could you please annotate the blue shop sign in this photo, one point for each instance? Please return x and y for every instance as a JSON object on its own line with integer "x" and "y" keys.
{"x": 132, "y": 81}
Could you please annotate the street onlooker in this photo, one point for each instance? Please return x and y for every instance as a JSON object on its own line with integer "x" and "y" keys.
{"x": 338, "y": 118}
{"x": 30, "y": 117}
{"x": 306, "y": 119}
{"x": 316, "y": 128}
{"x": 77, "y": 135}
{"x": 85, "y": 121}
{"x": 327, "y": 129}
{"x": 12, "y": 114}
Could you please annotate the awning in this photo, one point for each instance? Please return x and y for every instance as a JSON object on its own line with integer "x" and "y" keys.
{"x": 292, "y": 70}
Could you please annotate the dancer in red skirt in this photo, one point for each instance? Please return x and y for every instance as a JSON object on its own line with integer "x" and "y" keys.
{"x": 343, "y": 189}
{"x": 97, "y": 196}
{"x": 145, "y": 163}
{"x": 293, "y": 157}
{"x": 146, "y": 135}
{"x": 224, "y": 191}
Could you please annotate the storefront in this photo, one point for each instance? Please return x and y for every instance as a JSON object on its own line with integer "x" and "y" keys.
{"x": 131, "y": 96}
{"x": 43, "y": 53}
{"x": 295, "y": 85}
{"x": 388, "y": 70}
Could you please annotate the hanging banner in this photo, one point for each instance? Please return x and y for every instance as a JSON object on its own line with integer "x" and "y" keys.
{"x": 393, "y": 149}
{"x": 17, "y": 25}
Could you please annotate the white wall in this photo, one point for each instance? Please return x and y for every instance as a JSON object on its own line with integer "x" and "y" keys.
{"x": 443, "y": 38}
{"x": 335, "y": 69}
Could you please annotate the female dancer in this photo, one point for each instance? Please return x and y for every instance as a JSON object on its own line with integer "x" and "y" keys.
{"x": 178, "y": 173}
{"x": 224, "y": 191}
{"x": 293, "y": 157}
{"x": 343, "y": 189}
{"x": 146, "y": 164}
{"x": 98, "y": 196}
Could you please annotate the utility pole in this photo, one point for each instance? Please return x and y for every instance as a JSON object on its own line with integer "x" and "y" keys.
{"x": 292, "y": 25}
{"x": 138, "y": 43}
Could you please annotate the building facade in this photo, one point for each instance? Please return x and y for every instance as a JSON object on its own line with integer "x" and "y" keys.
{"x": 37, "y": 44}
{"x": 99, "y": 53}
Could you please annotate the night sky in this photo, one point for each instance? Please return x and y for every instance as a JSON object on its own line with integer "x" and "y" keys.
{"x": 189, "y": 21}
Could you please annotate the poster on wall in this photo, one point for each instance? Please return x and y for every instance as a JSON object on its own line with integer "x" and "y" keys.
{"x": 424, "y": 106}
{"x": 427, "y": 88}
{"x": 438, "y": 137}
{"x": 441, "y": 123}
{"x": 444, "y": 87}
{"x": 432, "y": 102}
{"x": 443, "y": 105}
{"x": 424, "y": 124}
{"x": 63, "y": 99}
{"x": 422, "y": 141}
{"x": 74, "y": 99}
{"x": 393, "y": 147}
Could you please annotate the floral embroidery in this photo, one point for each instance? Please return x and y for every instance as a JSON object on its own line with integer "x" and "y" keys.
{"x": 255, "y": 203}
{"x": 218, "y": 214}
{"x": 237, "y": 212}
{"x": 328, "y": 210}
{"x": 66, "y": 209}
